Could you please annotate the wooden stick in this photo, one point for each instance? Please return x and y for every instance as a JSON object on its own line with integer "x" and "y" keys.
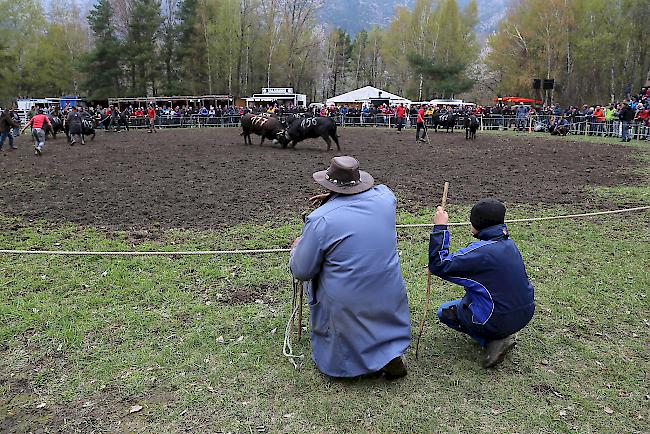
{"x": 293, "y": 307}
{"x": 300, "y": 312}
{"x": 443, "y": 204}
{"x": 425, "y": 313}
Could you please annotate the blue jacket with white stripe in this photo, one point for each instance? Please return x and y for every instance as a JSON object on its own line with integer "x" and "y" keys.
{"x": 499, "y": 298}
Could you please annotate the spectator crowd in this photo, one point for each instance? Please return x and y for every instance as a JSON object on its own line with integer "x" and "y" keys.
{"x": 627, "y": 119}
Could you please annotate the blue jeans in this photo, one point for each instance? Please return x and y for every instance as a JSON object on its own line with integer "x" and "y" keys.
{"x": 625, "y": 130}
{"x": 4, "y": 135}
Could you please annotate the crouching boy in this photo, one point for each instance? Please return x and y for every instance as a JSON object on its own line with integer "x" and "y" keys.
{"x": 499, "y": 298}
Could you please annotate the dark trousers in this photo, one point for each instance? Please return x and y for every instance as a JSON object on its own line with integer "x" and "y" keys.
{"x": 420, "y": 126}
{"x": 400, "y": 124}
{"x": 3, "y": 136}
{"x": 456, "y": 315}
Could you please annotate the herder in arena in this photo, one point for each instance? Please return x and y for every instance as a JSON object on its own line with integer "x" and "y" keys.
{"x": 348, "y": 253}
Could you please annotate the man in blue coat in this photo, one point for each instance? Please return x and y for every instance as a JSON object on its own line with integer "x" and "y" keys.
{"x": 348, "y": 252}
{"x": 499, "y": 298}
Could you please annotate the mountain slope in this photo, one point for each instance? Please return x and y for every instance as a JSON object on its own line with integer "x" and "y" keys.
{"x": 355, "y": 15}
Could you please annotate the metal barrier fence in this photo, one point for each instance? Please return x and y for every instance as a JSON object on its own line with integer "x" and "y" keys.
{"x": 577, "y": 125}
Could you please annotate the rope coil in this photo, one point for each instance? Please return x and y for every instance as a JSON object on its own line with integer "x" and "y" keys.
{"x": 296, "y": 308}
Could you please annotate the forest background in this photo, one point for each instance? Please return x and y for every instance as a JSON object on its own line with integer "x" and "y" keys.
{"x": 596, "y": 50}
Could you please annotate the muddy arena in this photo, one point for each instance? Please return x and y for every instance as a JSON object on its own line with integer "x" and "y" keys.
{"x": 208, "y": 178}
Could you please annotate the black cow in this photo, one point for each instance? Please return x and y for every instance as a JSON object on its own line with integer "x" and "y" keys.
{"x": 267, "y": 127}
{"x": 88, "y": 126}
{"x": 57, "y": 126}
{"x": 471, "y": 125}
{"x": 312, "y": 128}
{"x": 115, "y": 120}
{"x": 444, "y": 120}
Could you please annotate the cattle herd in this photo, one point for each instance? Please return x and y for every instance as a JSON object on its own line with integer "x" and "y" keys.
{"x": 294, "y": 129}
{"x": 89, "y": 123}
{"x": 287, "y": 132}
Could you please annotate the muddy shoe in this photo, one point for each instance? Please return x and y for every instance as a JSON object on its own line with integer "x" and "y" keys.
{"x": 497, "y": 350}
{"x": 394, "y": 369}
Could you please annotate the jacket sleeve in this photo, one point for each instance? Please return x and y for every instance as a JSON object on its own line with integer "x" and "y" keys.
{"x": 307, "y": 256}
{"x": 444, "y": 264}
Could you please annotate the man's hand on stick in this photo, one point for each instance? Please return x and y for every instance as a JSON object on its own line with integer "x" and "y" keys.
{"x": 441, "y": 217}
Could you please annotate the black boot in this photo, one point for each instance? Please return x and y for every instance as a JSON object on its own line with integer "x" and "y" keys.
{"x": 496, "y": 351}
{"x": 394, "y": 369}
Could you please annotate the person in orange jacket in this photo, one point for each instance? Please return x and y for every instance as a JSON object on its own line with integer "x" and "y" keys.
{"x": 599, "y": 117}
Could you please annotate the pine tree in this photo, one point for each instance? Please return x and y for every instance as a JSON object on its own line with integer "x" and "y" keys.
{"x": 142, "y": 42}
{"x": 191, "y": 54}
{"x": 102, "y": 64}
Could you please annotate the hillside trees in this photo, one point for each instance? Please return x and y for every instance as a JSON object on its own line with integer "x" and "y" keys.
{"x": 593, "y": 49}
{"x": 430, "y": 48}
{"x": 41, "y": 52}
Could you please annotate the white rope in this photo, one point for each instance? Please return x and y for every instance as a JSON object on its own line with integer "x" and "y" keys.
{"x": 182, "y": 253}
{"x": 536, "y": 219}
{"x": 287, "y": 347}
{"x": 267, "y": 251}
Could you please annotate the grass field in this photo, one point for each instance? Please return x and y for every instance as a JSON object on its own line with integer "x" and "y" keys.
{"x": 197, "y": 342}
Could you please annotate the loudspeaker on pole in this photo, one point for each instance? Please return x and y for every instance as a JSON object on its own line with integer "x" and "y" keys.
{"x": 549, "y": 83}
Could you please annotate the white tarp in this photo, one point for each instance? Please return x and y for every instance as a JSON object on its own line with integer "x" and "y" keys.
{"x": 364, "y": 95}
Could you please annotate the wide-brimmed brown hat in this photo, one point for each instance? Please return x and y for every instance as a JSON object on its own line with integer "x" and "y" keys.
{"x": 344, "y": 176}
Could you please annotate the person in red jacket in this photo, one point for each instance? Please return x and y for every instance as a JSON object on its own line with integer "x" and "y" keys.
{"x": 420, "y": 125}
{"x": 151, "y": 114}
{"x": 38, "y": 131}
{"x": 401, "y": 116}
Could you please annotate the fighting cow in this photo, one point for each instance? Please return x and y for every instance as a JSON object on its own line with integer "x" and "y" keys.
{"x": 88, "y": 126}
{"x": 444, "y": 120}
{"x": 312, "y": 128}
{"x": 265, "y": 126}
{"x": 471, "y": 125}
{"x": 57, "y": 126}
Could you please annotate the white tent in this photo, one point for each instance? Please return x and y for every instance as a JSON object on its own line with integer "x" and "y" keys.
{"x": 366, "y": 95}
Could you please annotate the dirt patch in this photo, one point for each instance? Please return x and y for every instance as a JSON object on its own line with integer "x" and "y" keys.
{"x": 208, "y": 178}
{"x": 545, "y": 389}
{"x": 257, "y": 294}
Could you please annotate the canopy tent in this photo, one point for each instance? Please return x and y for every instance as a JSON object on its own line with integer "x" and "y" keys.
{"x": 517, "y": 99}
{"x": 367, "y": 95}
